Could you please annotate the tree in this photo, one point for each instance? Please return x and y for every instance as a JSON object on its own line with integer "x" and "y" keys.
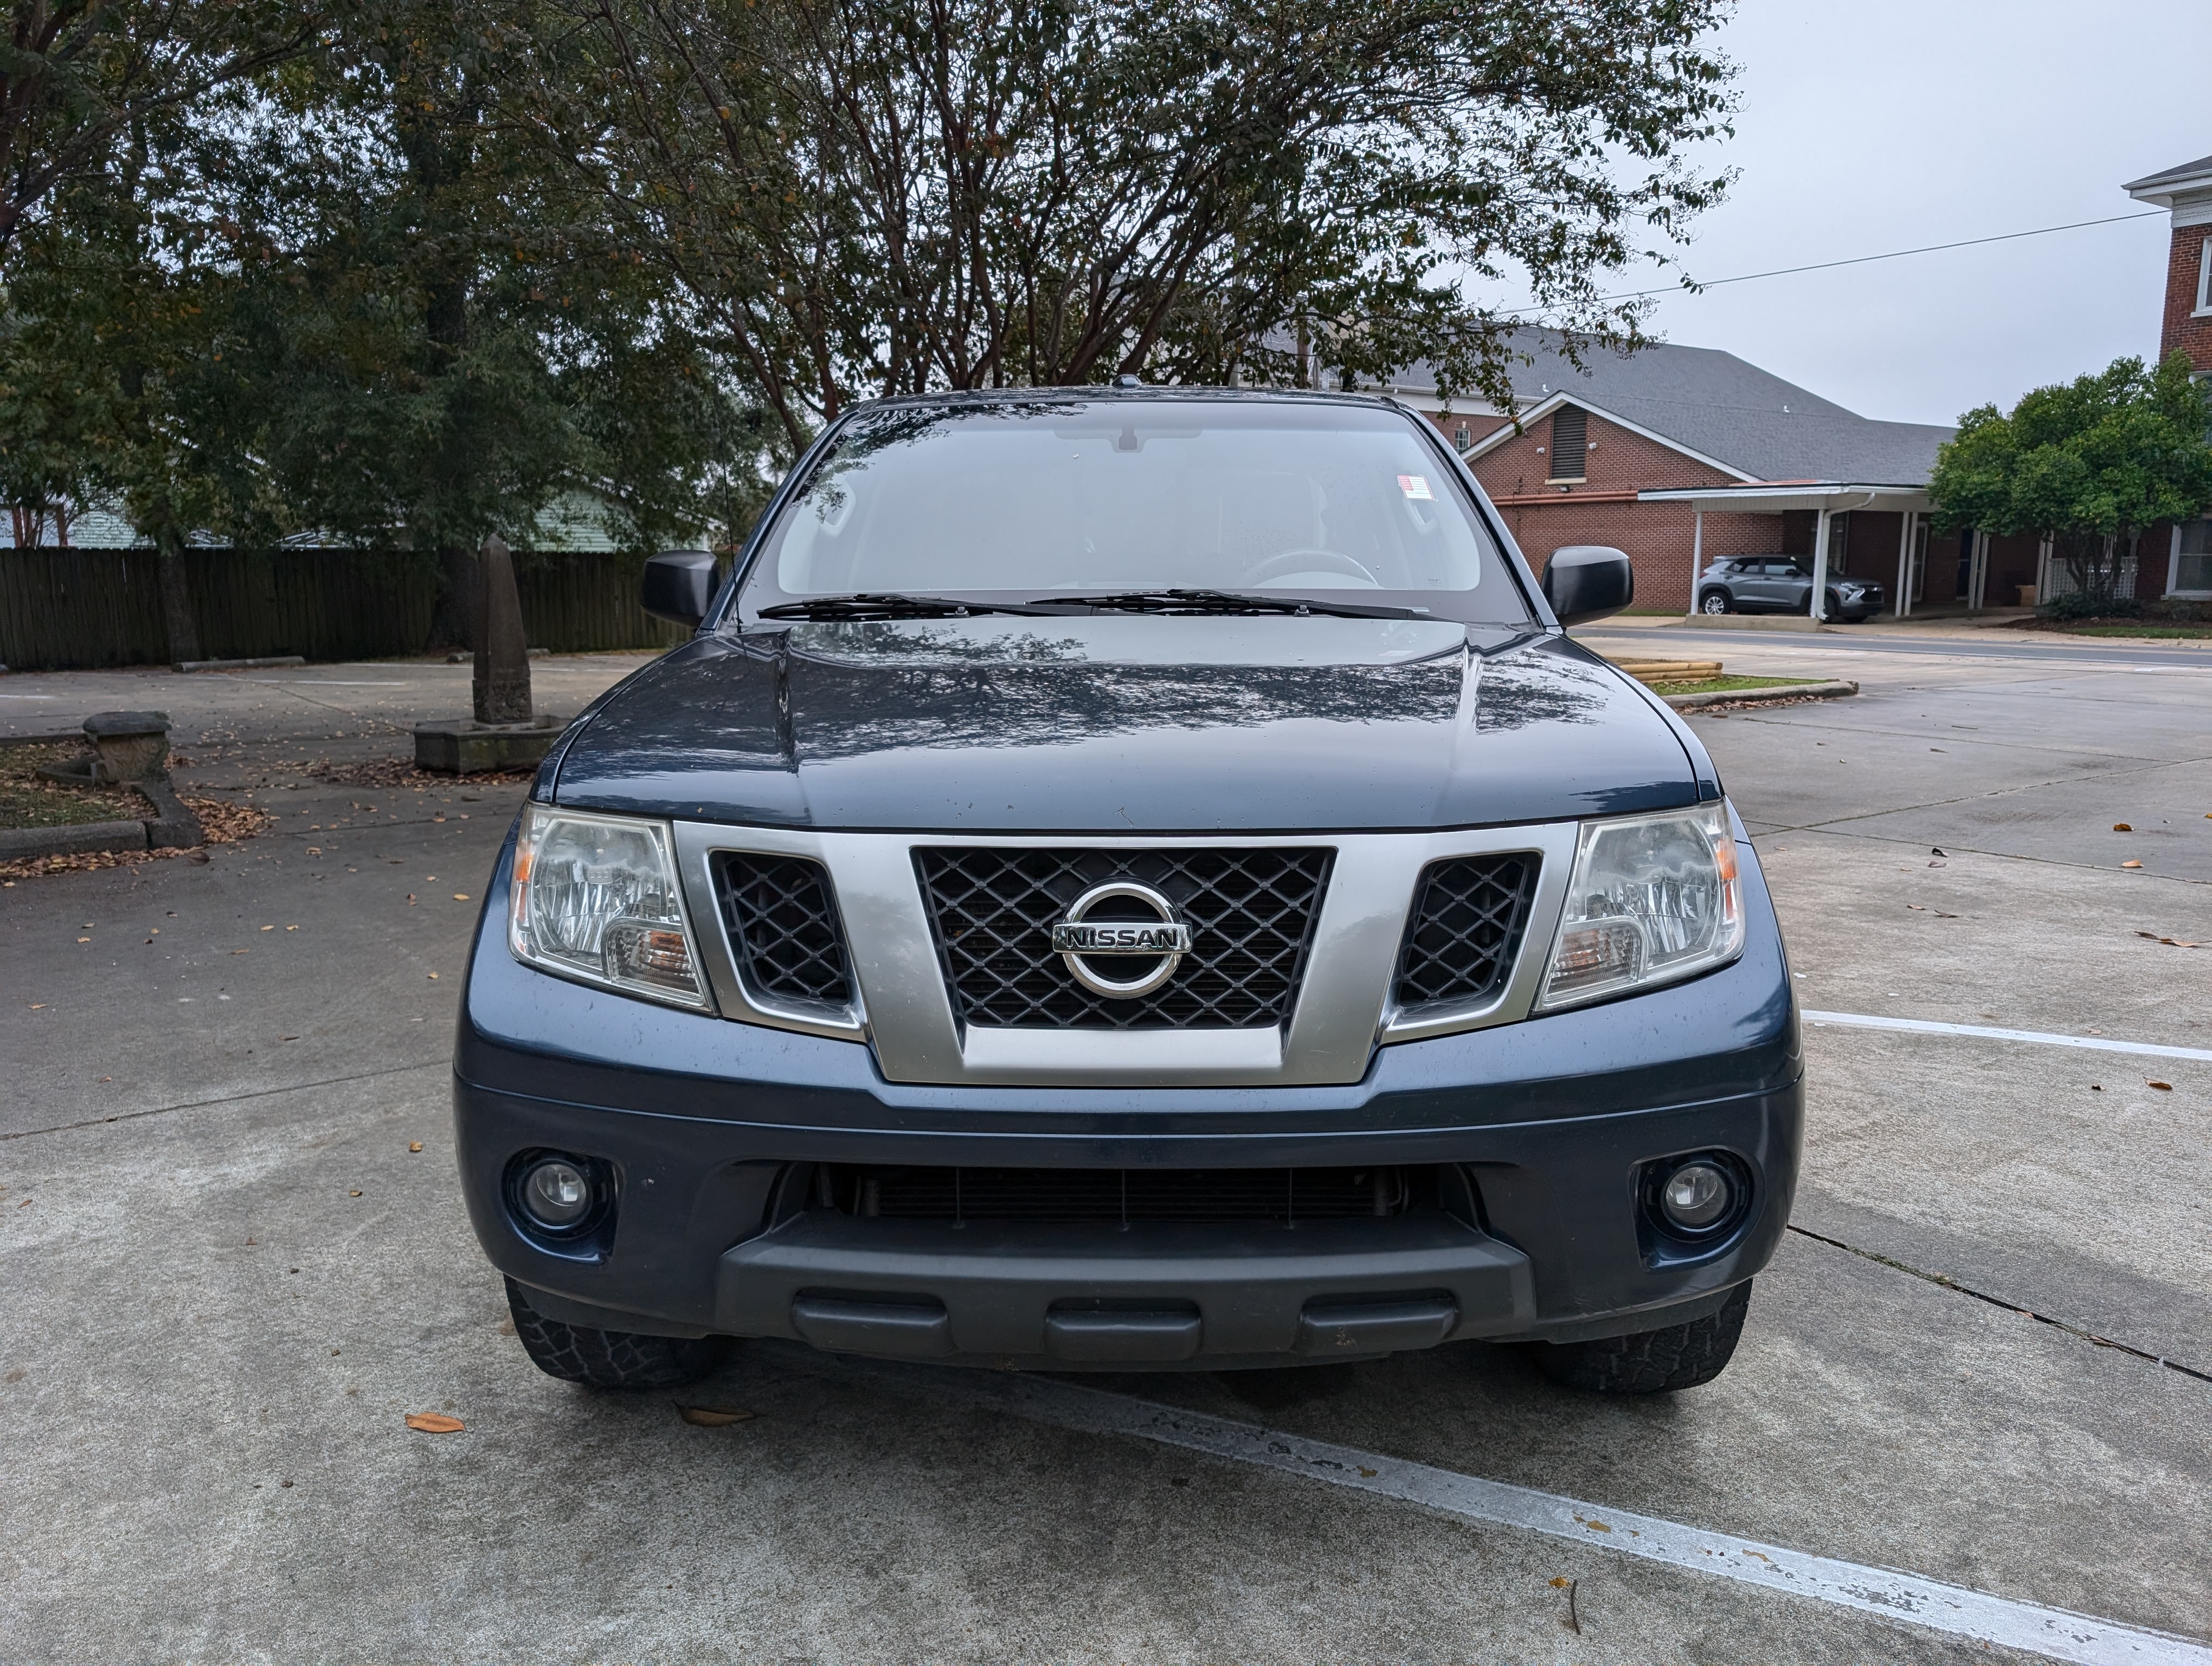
{"x": 77, "y": 75}
{"x": 2088, "y": 464}
{"x": 453, "y": 333}
{"x": 871, "y": 197}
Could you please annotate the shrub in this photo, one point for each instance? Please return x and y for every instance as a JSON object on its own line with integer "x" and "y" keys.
{"x": 2086, "y": 605}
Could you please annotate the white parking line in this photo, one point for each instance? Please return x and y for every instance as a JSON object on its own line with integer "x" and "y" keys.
{"x": 2041, "y": 1037}
{"x": 2054, "y": 1634}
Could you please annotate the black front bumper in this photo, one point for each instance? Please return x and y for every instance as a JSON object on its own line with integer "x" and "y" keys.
{"x": 1550, "y": 1121}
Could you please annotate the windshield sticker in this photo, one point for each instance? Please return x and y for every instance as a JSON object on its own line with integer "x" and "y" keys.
{"x": 1415, "y": 485}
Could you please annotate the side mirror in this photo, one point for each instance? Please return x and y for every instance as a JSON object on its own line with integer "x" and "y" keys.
{"x": 678, "y": 586}
{"x": 1586, "y": 581}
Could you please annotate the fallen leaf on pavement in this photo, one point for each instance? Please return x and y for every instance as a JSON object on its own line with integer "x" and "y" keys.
{"x": 353, "y": 1194}
{"x": 414, "y": 1145}
{"x": 460, "y": 896}
{"x": 711, "y": 1417}
{"x": 435, "y": 1423}
{"x": 434, "y": 977}
{"x": 2121, "y": 827}
{"x": 2131, "y": 862}
{"x": 1560, "y": 1584}
{"x": 2163, "y": 1087}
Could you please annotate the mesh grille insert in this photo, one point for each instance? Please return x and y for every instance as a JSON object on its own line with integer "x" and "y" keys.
{"x": 1251, "y": 916}
{"x": 1465, "y": 928}
{"x": 1282, "y": 1196}
{"x": 783, "y": 925}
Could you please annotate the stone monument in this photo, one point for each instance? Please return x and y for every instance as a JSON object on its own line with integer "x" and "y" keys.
{"x": 504, "y": 733}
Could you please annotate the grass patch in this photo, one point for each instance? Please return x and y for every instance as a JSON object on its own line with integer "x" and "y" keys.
{"x": 27, "y": 801}
{"x": 1730, "y": 684}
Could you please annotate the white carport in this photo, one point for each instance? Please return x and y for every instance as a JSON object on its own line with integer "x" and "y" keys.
{"x": 1827, "y": 499}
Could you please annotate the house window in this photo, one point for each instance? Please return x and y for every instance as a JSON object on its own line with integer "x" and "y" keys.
{"x": 2192, "y": 559}
{"x": 2204, "y": 277}
{"x": 1464, "y": 437}
{"x": 1569, "y": 442}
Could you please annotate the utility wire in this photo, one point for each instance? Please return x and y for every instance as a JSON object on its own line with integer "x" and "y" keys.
{"x": 1894, "y": 254}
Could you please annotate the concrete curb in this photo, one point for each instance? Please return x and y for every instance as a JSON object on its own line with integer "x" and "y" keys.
{"x": 1690, "y": 702}
{"x": 270, "y": 663}
{"x": 84, "y": 839}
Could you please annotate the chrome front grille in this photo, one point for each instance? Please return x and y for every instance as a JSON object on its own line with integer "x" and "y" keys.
{"x": 1465, "y": 929}
{"x": 1251, "y": 915}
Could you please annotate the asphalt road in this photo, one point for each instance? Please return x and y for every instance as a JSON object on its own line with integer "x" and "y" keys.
{"x": 225, "y": 1277}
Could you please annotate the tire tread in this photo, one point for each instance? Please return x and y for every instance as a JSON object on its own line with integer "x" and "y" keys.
{"x": 1661, "y": 1361}
{"x": 610, "y": 1358}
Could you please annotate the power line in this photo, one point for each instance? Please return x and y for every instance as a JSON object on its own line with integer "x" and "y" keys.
{"x": 1894, "y": 254}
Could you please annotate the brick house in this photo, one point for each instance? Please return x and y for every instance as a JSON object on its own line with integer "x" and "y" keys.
{"x": 1680, "y": 455}
{"x": 2186, "y": 193}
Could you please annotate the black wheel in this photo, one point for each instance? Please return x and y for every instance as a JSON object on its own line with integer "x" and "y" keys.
{"x": 1650, "y": 1361}
{"x": 610, "y": 1358}
{"x": 1713, "y": 601}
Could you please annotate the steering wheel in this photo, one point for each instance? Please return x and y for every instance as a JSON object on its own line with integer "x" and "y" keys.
{"x": 1306, "y": 561}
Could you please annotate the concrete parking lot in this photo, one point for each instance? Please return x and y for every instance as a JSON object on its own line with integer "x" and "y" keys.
{"x": 1984, "y": 1358}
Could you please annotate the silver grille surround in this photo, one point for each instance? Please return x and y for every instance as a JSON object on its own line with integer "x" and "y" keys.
{"x": 1340, "y": 1013}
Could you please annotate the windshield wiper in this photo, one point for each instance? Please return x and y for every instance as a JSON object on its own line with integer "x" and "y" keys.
{"x": 1224, "y": 601}
{"x": 891, "y": 606}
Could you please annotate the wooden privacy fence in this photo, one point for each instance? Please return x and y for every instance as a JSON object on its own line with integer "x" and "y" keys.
{"x": 76, "y": 609}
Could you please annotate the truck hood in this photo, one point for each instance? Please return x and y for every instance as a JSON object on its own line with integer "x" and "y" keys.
{"x": 1117, "y": 724}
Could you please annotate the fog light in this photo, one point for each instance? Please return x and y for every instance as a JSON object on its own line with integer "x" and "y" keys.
{"x": 1696, "y": 1197}
{"x": 556, "y": 1194}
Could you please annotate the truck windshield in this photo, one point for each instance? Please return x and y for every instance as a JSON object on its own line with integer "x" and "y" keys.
{"x": 1046, "y": 498}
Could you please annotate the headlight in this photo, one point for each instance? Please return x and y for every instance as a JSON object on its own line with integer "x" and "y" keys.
{"x": 595, "y": 897}
{"x": 1653, "y": 898}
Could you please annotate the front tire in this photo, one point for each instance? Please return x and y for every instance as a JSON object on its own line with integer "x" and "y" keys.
{"x": 1714, "y": 601}
{"x": 610, "y": 1358}
{"x": 1660, "y": 1361}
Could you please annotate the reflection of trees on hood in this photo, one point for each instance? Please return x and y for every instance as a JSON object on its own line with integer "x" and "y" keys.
{"x": 1529, "y": 685}
{"x": 1043, "y": 702}
{"x": 901, "y": 686}
{"x": 870, "y": 641}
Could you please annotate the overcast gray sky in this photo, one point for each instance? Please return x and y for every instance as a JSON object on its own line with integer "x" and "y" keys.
{"x": 1880, "y": 125}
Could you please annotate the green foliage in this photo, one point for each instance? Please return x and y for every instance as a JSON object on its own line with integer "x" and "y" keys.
{"x": 861, "y": 197}
{"x": 2091, "y": 604}
{"x": 2089, "y": 464}
{"x": 79, "y": 78}
{"x": 403, "y": 273}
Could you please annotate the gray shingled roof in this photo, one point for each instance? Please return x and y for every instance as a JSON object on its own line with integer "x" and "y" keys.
{"x": 2196, "y": 170}
{"x": 1714, "y": 404}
